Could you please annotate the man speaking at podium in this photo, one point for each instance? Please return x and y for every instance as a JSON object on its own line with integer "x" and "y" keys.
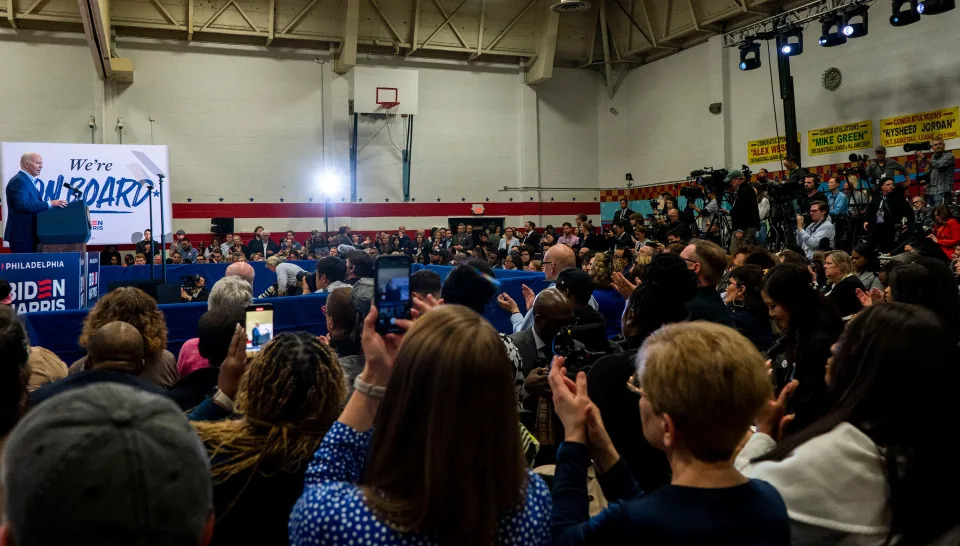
{"x": 24, "y": 201}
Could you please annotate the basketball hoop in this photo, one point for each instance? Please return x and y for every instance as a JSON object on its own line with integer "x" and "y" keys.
{"x": 389, "y": 105}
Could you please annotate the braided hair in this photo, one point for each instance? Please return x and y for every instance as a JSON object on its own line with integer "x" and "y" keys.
{"x": 290, "y": 395}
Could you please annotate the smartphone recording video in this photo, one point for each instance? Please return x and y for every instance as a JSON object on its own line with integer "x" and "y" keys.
{"x": 392, "y": 292}
{"x": 259, "y": 326}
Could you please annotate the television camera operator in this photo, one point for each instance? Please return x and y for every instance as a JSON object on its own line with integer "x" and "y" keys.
{"x": 882, "y": 167}
{"x": 745, "y": 214}
{"x": 193, "y": 288}
{"x": 795, "y": 173}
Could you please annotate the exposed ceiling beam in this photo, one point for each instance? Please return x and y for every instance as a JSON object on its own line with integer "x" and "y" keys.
{"x": 386, "y": 20}
{"x": 452, "y": 26}
{"x": 605, "y": 39}
{"x": 10, "y": 18}
{"x": 509, "y": 26}
{"x": 483, "y": 13}
{"x": 189, "y": 20}
{"x": 542, "y": 67}
{"x": 272, "y": 22}
{"x": 347, "y": 57}
{"x": 438, "y": 29}
{"x": 296, "y": 18}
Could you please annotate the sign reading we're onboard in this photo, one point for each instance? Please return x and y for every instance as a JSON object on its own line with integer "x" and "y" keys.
{"x": 109, "y": 184}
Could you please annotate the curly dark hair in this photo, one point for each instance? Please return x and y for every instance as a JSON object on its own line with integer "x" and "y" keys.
{"x": 133, "y": 306}
{"x": 14, "y": 371}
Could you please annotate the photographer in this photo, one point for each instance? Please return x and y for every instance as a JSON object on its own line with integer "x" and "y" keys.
{"x": 194, "y": 288}
{"x": 795, "y": 173}
{"x": 811, "y": 193}
{"x": 939, "y": 173}
{"x": 745, "y": 214}
{"x": 286, "y": 275}
{"x": 884, "y": 167}
{"x": 673, "y": 225}
{"x": 819, "y": 228}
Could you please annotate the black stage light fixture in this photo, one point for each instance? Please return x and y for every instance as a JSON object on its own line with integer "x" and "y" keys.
{"x": 933, "y": 7}
{"x": 790, "y": 42}
{"x": 902, "y": 17}
{"x": 832, "y": 34}
{"x": 749, "y": 55}
{"x": 855, "y": 22}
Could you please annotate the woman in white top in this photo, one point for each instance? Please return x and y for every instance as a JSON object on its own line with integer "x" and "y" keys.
{"x": 876, "y": 468}
{"x": 508, "y": 241}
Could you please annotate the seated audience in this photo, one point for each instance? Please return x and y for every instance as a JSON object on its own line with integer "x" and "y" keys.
{"x": 15, "y": 373}
{"x": 660, "y": 299}
{"x": 45, "y": 367}
{"x": 867, "y": 265}
{"x": 610, "y": 301}
{"x": 291, "y": 393}
{"x": 115, "y": 354}
{"x": 331, "y": 274}
{"x": 946, "y": 229}
{"x": 135, "y": 307}
{"x": 426, "y": 483}
{"x": 106, "y": 464}
{"x": 227, "y": 292}
{"x": 707, "y": 261}
{"x": 508, "y": 262}
{"x": 424, "y": 283}
{"x": 343, "y": 333}
{"x": 215, "y": 330}
{"x": 927, "y": 282}
{"x": 808, "y": 325}
{"x": 843, "y": 283}
{"x": 700, "y": 387}
{"x": 577, "y": 286}
{"x": 869, "y": 471}
{"x": 243, "y": 270}
{"x": 746, "y": 306}
{"x": 535, "y": 265}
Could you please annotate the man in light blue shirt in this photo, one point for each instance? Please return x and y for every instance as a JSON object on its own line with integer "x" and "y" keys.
{"x": 838, "y": 201}
{"x": 820, "y": 228}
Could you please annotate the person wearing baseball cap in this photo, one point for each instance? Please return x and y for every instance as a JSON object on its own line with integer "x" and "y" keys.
{"x": 884, "y": 167}
{"x": 106, "y": 464}
{"x": 577, "y": 285}
{"x": 745, "y": 214}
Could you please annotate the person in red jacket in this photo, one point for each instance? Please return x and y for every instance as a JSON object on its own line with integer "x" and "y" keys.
{"x": 946, "y": 229}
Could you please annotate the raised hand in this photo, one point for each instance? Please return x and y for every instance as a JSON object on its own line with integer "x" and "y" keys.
{"x": 235, "y": 365}
{"x": 622, "y": 285}
{"x": 507, "y": 303}
{"x": 570, "y": 401}
{"x": 528, "y": 296}
{"x": 772, "y": 419}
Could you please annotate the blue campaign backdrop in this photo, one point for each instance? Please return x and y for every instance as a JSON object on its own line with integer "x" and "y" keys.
{"x": 59, "y": 331}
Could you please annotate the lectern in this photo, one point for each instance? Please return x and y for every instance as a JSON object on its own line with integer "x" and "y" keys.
{"x": 67, "y": 229}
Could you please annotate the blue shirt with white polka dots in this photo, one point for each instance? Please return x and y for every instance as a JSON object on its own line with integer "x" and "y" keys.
{"x": 332, "y": 508}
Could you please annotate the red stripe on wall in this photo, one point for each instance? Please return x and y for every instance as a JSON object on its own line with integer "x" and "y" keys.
{"x": 369, "y": 210}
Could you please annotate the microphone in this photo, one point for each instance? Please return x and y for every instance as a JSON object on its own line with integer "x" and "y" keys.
{"x": 72, "y": 188}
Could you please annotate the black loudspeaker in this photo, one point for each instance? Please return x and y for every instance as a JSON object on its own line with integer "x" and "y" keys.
{"x": 147, "y": 285}
{"x": 221, "y": 226}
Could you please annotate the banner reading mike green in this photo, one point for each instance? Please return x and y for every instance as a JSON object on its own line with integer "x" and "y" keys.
{"x": 767, "y": 150}
{"x": 840, "y": 138}
{"x": 920, "y": 126}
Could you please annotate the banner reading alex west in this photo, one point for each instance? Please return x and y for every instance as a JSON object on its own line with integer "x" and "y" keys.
{"x": 921, "y": 126}
{"x": 840, "y": 138}
{"x": 767, "y": 150}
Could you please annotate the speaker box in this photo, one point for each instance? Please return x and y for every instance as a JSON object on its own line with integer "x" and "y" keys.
{"x": 221, "y": 226}
{"x": 147, "y": 285}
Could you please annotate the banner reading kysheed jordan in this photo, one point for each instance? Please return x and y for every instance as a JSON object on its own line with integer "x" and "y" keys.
{"x": 119, "y": 204}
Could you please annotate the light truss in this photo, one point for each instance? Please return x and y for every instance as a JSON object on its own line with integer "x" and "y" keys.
{"x": 797, "y": 16}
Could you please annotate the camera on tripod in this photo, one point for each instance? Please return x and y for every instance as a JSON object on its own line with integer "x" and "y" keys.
{"x": 916, "y": 146}
{"x": 189, "y": 282}
{"x": 857, "y": 158}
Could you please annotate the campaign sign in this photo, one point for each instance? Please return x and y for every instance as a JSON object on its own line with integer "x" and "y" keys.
{"x": 110, "y": 179}
{"x": 43, "y": 282}
{"x": 93, "y": 278}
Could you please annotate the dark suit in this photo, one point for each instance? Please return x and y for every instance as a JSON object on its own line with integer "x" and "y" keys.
{"x": 886, "y": 235}
{"x": 622, "y": 216}
{"x": 531, "y": 238}
{"x": 527, "y": 347}
{"x": 621, "y": 241}
{"x": 24, "y": 201}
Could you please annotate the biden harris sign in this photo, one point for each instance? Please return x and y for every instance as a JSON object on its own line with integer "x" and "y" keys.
{"x": 114, "y": 182}
{"x": 50, "y": 281}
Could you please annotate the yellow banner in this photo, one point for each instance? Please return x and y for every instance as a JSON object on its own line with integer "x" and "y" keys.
{"x": 767, "y": 150}
{"x": 840, "y": 138}
{"x": 919, "y": 127}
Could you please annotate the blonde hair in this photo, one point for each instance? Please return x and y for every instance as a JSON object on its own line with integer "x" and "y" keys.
{"x": 274, "y": 261}
{"x": 600, "y": 270}
{"x": 842, "y": 260}
{"x": 710, "y": 380}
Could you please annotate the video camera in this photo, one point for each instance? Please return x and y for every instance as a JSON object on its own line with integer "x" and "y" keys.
{"x": 916, "y": 146}
{"x": 713, "y": 180}
{"x": 581, "y": 345}
{"x": 189, "y": 282}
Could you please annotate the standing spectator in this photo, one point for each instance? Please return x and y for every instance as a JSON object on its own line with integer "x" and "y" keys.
{"x": 175, "y": 245}
{"x": 385, "y": 244}
{"x": 472, "y": 490}
{"x": 868, "y": 471}
{"x": 888, "y": 216}
{"x": 569, "y": 238}
{"x": 343, "y": 236}
{"x": 808, "y": 326}
{"x": 292, "y": 236}
{"x": 590, "y": 240}
{"x": 844, "y": 283}
{"x": 940, "y": 169}
{"x": 228, "y": 242}
{"x": 946, "y": 230}
{"x": 745, "y": 214}
{"x": 110, "y": 256}
{"x": 531, "y": 236}
{"x": 263, "y": 244}
{"x": 109, "y": 464}
{"x": 700, "y": 387}
{"x": 403, "y": 240}
{"x": 133, "y": 306}
{"x": 495, "y": 237}
{"x": 508, "y": 241}
{"x": 147, "y": 245}
{"x": 461, "y": 241}
{"x": 289, "y": 396}
{"x": 622, "y": 216}
{"x": 884, "y": 167}
{"x": 609, "y": 301}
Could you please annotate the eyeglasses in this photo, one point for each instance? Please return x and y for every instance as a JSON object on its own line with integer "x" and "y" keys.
{"x": 689, "y": 260}
{"x": 547, "y": 263}
{"x": 633, "y": 385}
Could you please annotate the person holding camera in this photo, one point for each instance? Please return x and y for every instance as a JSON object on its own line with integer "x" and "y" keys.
{"x": 883, "y": 167}
{"x": 286, "y": 274}
{"x": 194, "y": 289}
{"x": 745, "y": 214}
{"x": 939, "y": 173}
{"x": 795, "y": 173}
{"x": 809, "y": 238}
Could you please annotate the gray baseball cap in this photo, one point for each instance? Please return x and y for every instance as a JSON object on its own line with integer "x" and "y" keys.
{"x": 735, "y": 173}
{"x": 106, "y": 464}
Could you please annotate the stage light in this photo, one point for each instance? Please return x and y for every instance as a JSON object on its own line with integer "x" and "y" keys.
{"x": 330, "y": 184}
{"x": 830, "y": 34}
{"x": 902, "y": 17}
{"x": 790, "y": 43}
{"x": 749, "y": 55}
{"x": 855, "y": 22}
{"x": 933, "y": 7}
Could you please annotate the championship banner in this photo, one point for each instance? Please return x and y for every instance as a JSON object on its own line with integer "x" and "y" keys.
{"x": 43, "y": 282}
{"x": 919, "y": 127}
{"x": 767, "y": 150}
{"x": 840, "y": 138}
{"x": 109, "y": 177}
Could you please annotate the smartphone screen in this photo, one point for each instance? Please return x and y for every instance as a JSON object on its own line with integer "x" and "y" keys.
{"x": 392, "y": 292}
{"x": 259, "y": 325}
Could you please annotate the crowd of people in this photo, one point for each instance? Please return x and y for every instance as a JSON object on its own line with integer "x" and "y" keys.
{"x": 659, "y": 387}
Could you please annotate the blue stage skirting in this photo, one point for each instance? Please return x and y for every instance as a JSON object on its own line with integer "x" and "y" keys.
{"x": 59, "y": 331}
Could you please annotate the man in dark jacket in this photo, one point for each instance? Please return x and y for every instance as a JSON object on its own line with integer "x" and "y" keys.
{"x": 707, "y": 261}
{"x": 745, "y": 215}
{"x": 888, "y": 217}
{"x": 622, "y": 216}
{"x": 262, "y": 245}
{"x": 531, "y": 236}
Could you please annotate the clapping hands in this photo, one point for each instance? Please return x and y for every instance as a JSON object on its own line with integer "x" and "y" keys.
{"x": 581, "y": 418}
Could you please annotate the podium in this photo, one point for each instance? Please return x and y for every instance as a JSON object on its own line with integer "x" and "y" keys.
{"x": 67, "y": 229}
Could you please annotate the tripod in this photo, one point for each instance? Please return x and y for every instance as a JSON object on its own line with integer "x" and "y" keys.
{"x": 782, "y": 223}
